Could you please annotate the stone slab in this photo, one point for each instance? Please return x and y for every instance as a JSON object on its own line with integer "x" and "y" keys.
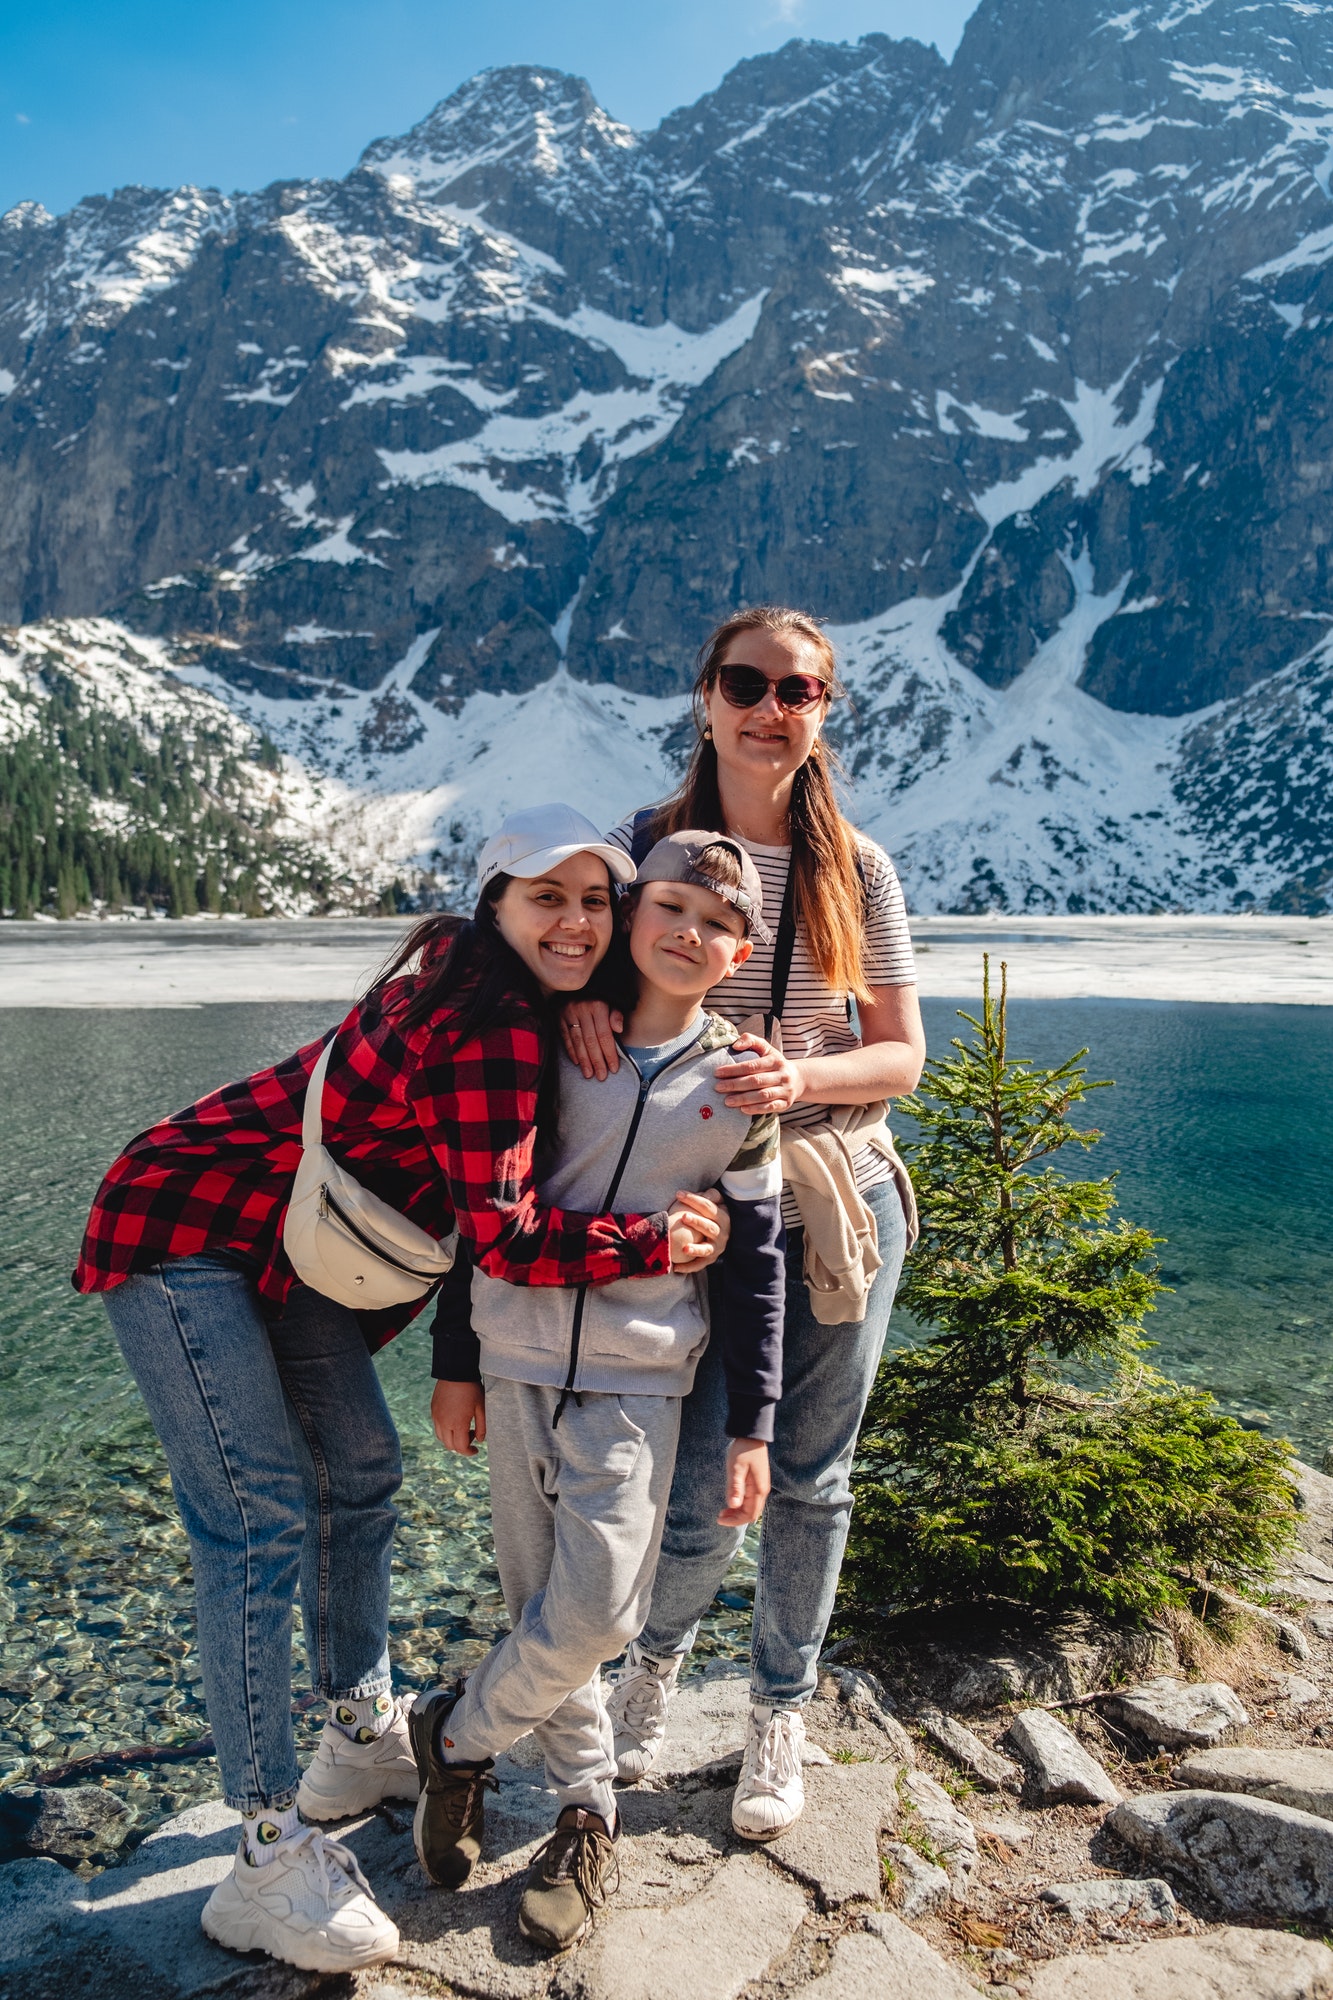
{"x": 1148, "y": 1900}
{"x": 834, "y": 1846}
{"x": 1058, "y": 1766}
{"x": 1178, "y": 1715}
{"x": 1225, "y": 1964}
{"x": 708, "y": 1947}
{"x": 707, "y": 1720}
{"x": 950, "y": 1832}
{"x": 1252, "y": 1857}
{"x": 886, "y": 1961}
{"x": 918, "y": 1885}
{"x": 987, "y": 1766}
{"x": 1291, "y": 1775}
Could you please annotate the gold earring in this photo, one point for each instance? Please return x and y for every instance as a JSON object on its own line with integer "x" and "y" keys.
{"x": 708, "y": 733}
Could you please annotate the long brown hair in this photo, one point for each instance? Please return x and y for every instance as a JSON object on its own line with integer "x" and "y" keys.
{"x": 830, "y": 901}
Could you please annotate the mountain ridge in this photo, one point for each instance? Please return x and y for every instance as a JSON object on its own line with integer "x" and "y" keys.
{"x": 1012, "y": 369}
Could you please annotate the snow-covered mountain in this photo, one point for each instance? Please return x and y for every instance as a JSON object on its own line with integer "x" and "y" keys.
{"x": 1012, "y": 369}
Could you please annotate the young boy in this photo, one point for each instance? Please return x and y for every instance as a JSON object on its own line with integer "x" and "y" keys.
{"x": 581, "y": 1406}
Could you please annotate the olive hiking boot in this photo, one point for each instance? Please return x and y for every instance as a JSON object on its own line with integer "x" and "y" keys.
{"x": 568, "y": 1880}
{"x": 451, "y": 1810}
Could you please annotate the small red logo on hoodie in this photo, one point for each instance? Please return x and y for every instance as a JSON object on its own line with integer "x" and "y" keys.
{"x": 707, "y": 1111}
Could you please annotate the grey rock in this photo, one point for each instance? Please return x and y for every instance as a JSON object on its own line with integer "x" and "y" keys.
{"x": 1289, "y": 1774}
{"x": 951, "y": 1833}
{"x": 1227, "y": 1964}
{"x": 1148, "y": 1899}
{"x": 1058, "y": 1766}
{"x": 709, "y": 1946}
{"x": 1253, "y": 1857}
{"x": 1070, "y": 1657}
{"x": 918, "y": 1886}
{"x": 834, "y": 1845}
{"x": 1321, "y": 1624}
{"x": 34, "y": 1897}
{"x": 996, "y": 1773}
{"x": 1008, "y": 1827}
{"x": 866, "y": 1706}
{"x": 886, "y": 1961}
{"x": 74, "y": 1823}
{"x": 1296, "y": 1691}
{"x": 1178, "y": 1715}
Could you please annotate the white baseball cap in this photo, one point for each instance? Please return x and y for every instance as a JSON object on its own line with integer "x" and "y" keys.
{"x": 539, "y": 838}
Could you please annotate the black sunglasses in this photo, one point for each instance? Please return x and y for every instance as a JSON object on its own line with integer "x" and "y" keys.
{"x": 745, "y": 687}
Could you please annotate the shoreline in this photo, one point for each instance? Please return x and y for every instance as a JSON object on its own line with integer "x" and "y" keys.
{"x": 197, "y": 962}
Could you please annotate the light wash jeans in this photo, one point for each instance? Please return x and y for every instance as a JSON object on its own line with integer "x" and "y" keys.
{"x": 577, "y": 1511}
{"x": 284, "y": 1461}
{"x": 827, "y": 1375}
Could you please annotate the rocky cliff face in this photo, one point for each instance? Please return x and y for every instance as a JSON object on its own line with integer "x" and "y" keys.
{"x": 1013, "y": 369}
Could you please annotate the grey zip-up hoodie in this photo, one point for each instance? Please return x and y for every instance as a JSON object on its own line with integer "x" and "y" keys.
{"x": 627, "y": 1145}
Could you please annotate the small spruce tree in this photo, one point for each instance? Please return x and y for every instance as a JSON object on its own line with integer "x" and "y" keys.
{"x": 985, "y": 1472}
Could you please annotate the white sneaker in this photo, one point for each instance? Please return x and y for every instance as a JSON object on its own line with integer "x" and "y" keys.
{"x": 770, "y": 1796}
{"x": 308, "y": 1904}
{"x": 346, "y": 1777}
{"x": 637, "y": 1706}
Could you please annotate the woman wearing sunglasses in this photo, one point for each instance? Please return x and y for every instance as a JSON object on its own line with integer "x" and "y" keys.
{"x": 761, "y": 773}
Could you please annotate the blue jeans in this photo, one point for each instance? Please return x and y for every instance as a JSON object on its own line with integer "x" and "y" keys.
{"x": 827, "y": 1375}
{"x": 284, "y": 1461}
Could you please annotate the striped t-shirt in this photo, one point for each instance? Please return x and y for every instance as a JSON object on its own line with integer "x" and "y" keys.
{"x": 815, "y": 1018}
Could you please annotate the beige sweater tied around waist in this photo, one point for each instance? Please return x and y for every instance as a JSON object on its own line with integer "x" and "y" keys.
{"x": 841, "y": 1240}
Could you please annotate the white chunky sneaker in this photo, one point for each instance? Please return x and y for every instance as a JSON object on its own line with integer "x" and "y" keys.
{"x": 771, "y": 1793}
{"x": 346, "y": 1777}
{"x": 637, "y": 1706}
{"x": 308, "y": 1904}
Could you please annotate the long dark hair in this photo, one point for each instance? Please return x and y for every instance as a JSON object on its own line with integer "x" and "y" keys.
{"x": 829, "y": 899}
{"x": 461, "y": 969}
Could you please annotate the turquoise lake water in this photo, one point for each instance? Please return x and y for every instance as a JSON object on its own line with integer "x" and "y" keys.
{"x": 1221, "y": 1127}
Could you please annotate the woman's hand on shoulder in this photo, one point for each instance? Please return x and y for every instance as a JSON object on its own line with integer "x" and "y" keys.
{"x": 458, "y": 1412}
{"x": 763, "y": 1079}
{"x": 588, "y": 1029}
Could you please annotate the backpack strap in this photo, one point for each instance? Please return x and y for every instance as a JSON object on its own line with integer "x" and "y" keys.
{"x": 783, "y": 948}
{"x": 641, "y": 835}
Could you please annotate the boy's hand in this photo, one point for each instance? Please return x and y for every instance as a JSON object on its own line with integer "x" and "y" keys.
{"x": 700, "y": 1228}
{"x": 747, "y": 1483}
{"x": 458, "y": 1412}
{"x": 588, "y": 1029}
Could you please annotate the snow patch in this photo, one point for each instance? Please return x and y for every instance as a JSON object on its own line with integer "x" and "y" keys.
{"x": 1105, "y": 439}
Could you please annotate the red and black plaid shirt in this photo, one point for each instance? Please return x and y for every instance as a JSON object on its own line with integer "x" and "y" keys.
{"x": 441, "y": 1131}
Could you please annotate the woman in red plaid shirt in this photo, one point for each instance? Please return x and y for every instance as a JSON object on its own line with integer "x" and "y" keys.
{"x": 283, "y": 1455}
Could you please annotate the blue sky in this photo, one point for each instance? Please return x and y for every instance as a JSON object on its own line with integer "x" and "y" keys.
{"x": 98, "y": 93}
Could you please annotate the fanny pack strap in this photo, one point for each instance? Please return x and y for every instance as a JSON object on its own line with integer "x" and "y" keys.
{"x": 312, "y": 1117}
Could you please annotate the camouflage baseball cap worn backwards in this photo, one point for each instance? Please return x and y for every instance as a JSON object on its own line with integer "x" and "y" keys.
{"x": 678, "y": 857}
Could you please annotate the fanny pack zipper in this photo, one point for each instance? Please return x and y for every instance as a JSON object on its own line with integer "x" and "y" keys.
{"x": 328, "y": 1201}
{"x": 644, "y": 1087}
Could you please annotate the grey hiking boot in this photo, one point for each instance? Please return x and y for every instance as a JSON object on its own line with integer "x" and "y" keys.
{"x": 451, "y": 1811}
{"x": 568, "y": 1881}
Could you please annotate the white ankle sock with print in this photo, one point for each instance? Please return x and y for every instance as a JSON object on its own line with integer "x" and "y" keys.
{"x": 365, "y": 1720}
{"x": 266, "y": 1829}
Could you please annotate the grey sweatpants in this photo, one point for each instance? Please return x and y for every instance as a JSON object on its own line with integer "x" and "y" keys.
{"x": 577, "y": 1513}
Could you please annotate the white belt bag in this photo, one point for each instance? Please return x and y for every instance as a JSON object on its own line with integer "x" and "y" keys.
{"x": 341, "y": 1239}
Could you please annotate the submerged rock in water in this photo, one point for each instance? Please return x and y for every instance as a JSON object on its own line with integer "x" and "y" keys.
{"x": 78, "y": 1823}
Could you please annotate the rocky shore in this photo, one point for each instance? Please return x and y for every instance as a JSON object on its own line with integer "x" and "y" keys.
{"x": 1058, "y": 1811}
